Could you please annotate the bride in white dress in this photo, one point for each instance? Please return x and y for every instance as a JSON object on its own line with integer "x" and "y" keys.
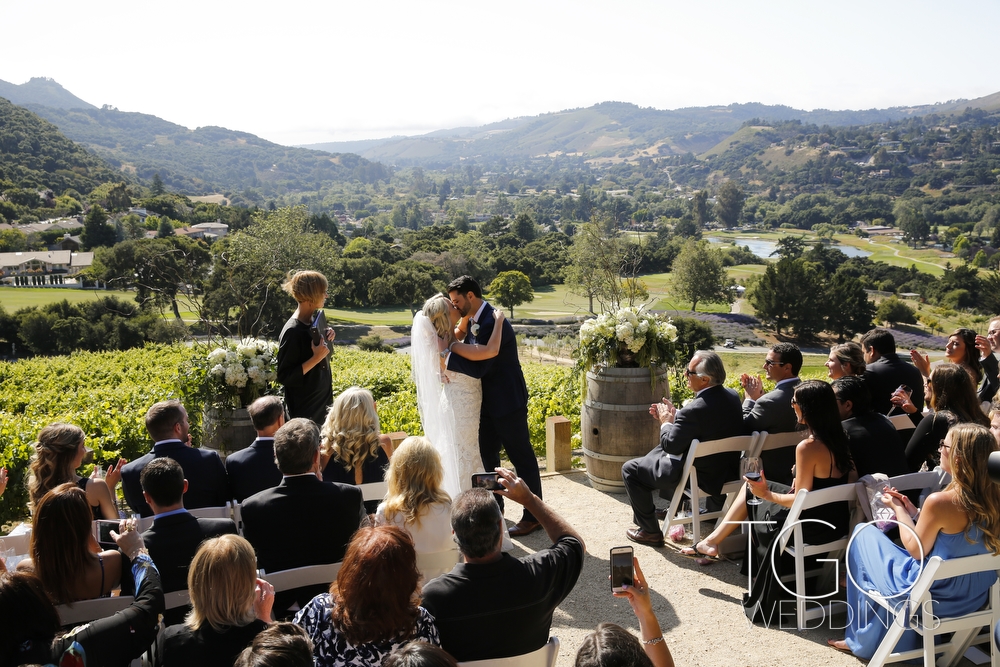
{"x": 449, "y": 402}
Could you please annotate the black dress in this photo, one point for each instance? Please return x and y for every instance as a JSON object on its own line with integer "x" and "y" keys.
{"x": 94, "y": 509}
{"x": 372, "y": 470}
{"x": 767, "y": 592}
{"x": 307, "y": 395}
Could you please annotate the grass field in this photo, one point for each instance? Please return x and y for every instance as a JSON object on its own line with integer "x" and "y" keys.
{"x": 738, "y": 363}
{"x": 14, "y": 298}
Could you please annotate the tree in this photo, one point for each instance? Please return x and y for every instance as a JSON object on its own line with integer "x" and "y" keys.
{"x": 729, "y": 202}
{"x": 789, "y": 294}
{"x": 790, "y": 247}
{"x": 699, "y": 208}
{"x": 911, "y": 222}
{"x": 849, "y": 311}
{"x": 895, "y": 311}
{"x": 157, "y": 187}
{"x": 699, "y": 275}
{"x": 980, "y": 260}
{"x": 524, "y": 227}
{"x": 96, "y": 230}
{"x": 692, "y": 335}
{"x": 603, "y": 267}
{"x": 132, "y": 227}
{"x": 165, "y": 229}
{"x": 511, "y": 288}
{"x": 444, "y": 192}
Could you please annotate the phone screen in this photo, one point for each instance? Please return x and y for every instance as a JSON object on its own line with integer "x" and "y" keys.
{"x": 621, "y": 567}
{"x": 104, "y": 529}
{"x": 486, "y": 480}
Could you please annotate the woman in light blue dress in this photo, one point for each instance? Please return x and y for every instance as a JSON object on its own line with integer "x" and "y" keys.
{"x": 961, "y": 520}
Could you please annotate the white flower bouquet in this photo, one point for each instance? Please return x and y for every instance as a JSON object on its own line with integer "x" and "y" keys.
{"x": 238, "y": 373}
{"x": 629, "y": 338}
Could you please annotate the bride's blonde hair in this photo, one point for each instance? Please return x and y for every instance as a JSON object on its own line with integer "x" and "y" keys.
{"x": 437, "y": 309}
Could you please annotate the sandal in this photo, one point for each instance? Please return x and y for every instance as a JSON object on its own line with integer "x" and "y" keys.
{"x": 840, "y": 645}
{"x": 698, "y": 554}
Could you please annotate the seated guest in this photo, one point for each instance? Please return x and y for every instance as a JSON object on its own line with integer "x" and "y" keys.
{"x": 354, "y": 450}
{"x": 846, "y": 359}
{"x": 713, "y": 414}
{"x": 175, "y": 535}
{"x": 30, "y": 621}
{"x": 373, "y": 607}
{"x": 772, "y": 411}
{"x": 253, "y": 469}
{"x": 64, "y": 553}
{"x": 952, "y": 398}
{"x": 229, "y": 607}
{"x": 493, "y": 605}
{"x": 886, "y": 372}
{"x": 874, "y": 442}
{"x": 415, "y": 501}
{"x": 59, "y": 452}
{"x": 974, "y": 354}
{"x": 167, "y": 423}
{"x": 610, "y": 645}
{"x": 302, "y": 521}
{"x": 280, "y": 645}
{"x": 419, "y": 654}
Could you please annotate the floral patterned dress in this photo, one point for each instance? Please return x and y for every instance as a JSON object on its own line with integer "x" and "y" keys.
{"x": 331, "y": 648}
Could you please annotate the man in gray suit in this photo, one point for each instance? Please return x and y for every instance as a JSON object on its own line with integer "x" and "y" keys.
{"x": 772, "y": 411}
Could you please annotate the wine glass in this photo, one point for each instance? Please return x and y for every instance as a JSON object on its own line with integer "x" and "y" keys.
{"x": 751, "y": 467}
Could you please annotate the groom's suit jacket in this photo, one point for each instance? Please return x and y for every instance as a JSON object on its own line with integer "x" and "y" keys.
{"x": 504, "y": 389}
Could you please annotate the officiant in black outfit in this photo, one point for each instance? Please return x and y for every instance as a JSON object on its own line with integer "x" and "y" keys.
{"x": 303, "y": 367}
{"x": 503, "y": 420}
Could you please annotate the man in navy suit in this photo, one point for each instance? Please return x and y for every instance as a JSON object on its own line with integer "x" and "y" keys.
{"x": 772, "y": 411}
{"x": 503, "y": 419}
{"x": 714, "y": 413}
{"x": 167, "y": 423}
{"x": 253, "y": 469}
{"x": 304, "y": 520}
{"x": 175, "y": 535}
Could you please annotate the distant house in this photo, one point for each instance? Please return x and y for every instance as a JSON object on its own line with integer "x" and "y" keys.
{"x": 44, "y": 261}
{"x": 67, "y": 242}
{"x": 212, "y": 230}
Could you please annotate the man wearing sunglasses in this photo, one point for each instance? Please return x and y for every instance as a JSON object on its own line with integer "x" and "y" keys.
{"x": 772, "y": 411}
{"x": 714, "y": 413}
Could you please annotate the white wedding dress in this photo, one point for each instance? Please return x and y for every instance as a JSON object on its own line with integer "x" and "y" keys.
{"x": 462, "y": 396}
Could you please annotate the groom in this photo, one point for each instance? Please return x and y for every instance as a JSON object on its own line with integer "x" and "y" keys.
{"x": 503, "y": 419}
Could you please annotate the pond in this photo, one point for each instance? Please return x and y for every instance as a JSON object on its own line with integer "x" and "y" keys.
{"x": 763, "y": 248}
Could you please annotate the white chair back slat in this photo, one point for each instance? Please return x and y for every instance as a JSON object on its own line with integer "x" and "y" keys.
{"x": 298, "y": 577}
{"x": 769, "y": 441}
{"x": 224, "y": 512}
{"x": 902, "y": 422}
{"x": 19, "y": 544}
{"x": 373, "y": 490}
{"x": 436, "y": 563}
{"x": 543, "y": 657}
{"x": 176, "y": 599}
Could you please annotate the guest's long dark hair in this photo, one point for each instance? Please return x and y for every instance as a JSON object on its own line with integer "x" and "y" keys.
{"x": 971, "y": 358}
{"x": 820, "y": 413}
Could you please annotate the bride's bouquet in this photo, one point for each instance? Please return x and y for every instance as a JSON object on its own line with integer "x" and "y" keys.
{"x": 630, "y": 338}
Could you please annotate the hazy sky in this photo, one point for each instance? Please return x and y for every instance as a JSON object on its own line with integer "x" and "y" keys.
{"x": 300, "y": 72}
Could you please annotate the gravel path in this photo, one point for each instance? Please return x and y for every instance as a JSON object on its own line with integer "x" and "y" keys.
{"x": 698, "y": 606}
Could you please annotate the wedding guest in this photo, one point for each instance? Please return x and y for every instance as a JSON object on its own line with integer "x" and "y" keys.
{"x": 845, "y": 359}
{"x": 354, "y": 450}
{"x": 885, "y": 372}
{"x": 875, "y": 444}
{"x": 373, "y": 607}
{"x": 253, "y": 469}
{"x": 303, "y": 368}
{"x": 280, "y": 645}
{"x": 419, "y": 654}
{"x": 772, "y": 411}
{"x": 974, "y": 354}
{"x": 59, "y": 452}
{"x": 229, "y": 607}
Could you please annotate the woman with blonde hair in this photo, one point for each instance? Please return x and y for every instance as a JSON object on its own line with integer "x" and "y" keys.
{"x": 353, "y": 449}
{"x": 450, "y": 402}
{"x": 845, "y": 359}
{"x": 59, "y": 452}
{"x": 415, "y": 501}
{"x": 229, "y": 606}
{"x": 961, "y": 520}
{"x": 303, "y": 368}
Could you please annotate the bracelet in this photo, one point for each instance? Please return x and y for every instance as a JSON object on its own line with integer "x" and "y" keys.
{"x": 653, "y": 641}
{"x": 137, "y": 553}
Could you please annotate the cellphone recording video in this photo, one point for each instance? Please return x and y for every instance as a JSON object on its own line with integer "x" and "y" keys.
{"x": 486, "y": 480}
{"x": 621, "y": 568}
{"x": 319, "y": 327}
{"x": 102, "y": 531}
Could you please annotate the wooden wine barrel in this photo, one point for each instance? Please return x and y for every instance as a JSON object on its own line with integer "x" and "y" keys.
{"x": 226, "y": 431}
{"x": 615, "y": 421}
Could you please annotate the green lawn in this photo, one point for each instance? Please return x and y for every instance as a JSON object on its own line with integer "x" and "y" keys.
{"x": 738, "y": 363}
{"x": 14, "y": 298}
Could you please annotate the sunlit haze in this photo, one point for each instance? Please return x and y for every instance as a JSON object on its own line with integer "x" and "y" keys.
{"x": 302, "y": 72}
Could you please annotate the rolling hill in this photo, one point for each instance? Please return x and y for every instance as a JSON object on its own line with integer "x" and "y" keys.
{"x": 40, "y": 90}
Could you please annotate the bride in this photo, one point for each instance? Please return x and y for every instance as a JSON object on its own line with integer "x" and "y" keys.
{"x": 449, "y": 402}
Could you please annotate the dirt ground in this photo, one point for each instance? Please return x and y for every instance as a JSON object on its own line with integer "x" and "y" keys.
{"x": 698, "y": 606}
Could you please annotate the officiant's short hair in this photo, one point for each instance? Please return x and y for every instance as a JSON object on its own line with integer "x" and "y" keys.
{"x": 465, "y": 284}
{"x": 295, "y": 446}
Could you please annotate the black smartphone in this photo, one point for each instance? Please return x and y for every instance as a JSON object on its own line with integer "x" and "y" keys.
{"x": 319, "y": 327}
{"x": 486, "y": 480}
{"x": 102, "y": 531}
{"x": 621, "y": 568}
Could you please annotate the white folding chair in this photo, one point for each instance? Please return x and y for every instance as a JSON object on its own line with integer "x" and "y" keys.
{"x": 792, "y": 542}
{"x": 238, "y": 517}
{"x": 918, "y": 614}
{"x": 20, "y": 544}
{"x": 224, "y": 512}
{"x": 687, "y": 485}
{"x": 310, "y": 575}
{"x": 436, "y": 563}
{"x": 82, "y": 611}
{"x": 902, "y": 422}
{"x": 373, "y": 490}
{"x": 935, "y": 480}
{"x": 767, "y": 442}
{"x": 543, "y": 657}
{"x": 176, "y": 599}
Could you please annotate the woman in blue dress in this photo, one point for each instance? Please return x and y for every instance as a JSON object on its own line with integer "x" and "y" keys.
{"x": 961, "y": 520}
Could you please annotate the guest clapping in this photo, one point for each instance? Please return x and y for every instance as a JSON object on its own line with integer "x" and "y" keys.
{"x": 229, "y": 607}
{"x": 373, "y": 607}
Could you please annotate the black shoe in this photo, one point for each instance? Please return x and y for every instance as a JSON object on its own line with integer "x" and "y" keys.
{"x": 661, "y": 515}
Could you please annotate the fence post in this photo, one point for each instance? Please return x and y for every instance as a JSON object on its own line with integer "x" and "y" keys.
{"x": 558, "y": 450}
{"x": 396, "y": 437}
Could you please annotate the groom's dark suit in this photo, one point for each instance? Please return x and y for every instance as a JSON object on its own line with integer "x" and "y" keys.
{"x": 503, "y": 419}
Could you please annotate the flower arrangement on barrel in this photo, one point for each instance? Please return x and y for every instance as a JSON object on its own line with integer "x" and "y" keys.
{"x": 239, "y": 373}
{"x": 629, "y": 338}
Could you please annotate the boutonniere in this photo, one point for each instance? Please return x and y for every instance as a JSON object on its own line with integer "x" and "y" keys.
{"x": 474, "y": 328}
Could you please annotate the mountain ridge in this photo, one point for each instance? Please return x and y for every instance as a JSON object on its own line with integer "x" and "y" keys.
{"x": 42, "y": 90}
